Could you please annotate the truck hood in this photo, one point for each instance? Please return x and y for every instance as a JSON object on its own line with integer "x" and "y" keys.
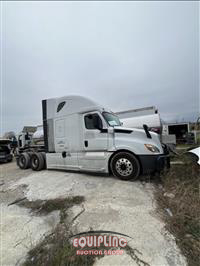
{"x": 137, "y": 136}
{"x": 126, "y": 129}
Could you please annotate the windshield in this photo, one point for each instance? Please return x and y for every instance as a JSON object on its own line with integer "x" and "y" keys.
{"x": 111, "y": 119}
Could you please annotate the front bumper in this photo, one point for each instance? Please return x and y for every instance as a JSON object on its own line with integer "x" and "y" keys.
{"x": 154, "y": 163}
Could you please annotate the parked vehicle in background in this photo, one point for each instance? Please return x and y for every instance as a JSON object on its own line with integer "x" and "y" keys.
{"x": 180, "y": 130}
{"x": 153, "y": 121}
{"x": 196, "y": 152}
{"x": 24, "y": 138}
{"x": 136, "y": 118}
{"x": 81, "y": 135}
{"x": 5, "y": 151}
{"x": 196, "y": 130}
{"x": 38, "y": 136}
{"x": 30, "y": 140}
{"x": 10, "y": 135}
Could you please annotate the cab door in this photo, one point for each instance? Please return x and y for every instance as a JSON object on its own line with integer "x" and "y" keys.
{"x": 94, "y": 140}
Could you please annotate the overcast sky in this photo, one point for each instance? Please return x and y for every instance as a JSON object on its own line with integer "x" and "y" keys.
{"x": 121, "y": 54}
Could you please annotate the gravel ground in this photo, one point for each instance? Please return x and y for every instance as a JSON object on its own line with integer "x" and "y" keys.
{"x": 20, "y": 230}
{"x": 110, "y": 204}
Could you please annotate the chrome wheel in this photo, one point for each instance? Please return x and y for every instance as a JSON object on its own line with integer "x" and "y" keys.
{"x": 124, "y": 167}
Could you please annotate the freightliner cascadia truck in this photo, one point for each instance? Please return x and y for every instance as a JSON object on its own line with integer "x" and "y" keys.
{"x": 82, "y": 135}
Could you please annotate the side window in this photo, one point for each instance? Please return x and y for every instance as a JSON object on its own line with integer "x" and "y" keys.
{"x": 27, "y": 137}
{"x": 90, "y": 120}
{"x": 60, "y": 106}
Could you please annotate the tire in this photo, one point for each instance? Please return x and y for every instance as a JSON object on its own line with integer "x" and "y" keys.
{"x": 24, "y": 161}
{"x": 125, "y": 166}
{"x": 37, "y": 161}
{"x": 30, "y": 153}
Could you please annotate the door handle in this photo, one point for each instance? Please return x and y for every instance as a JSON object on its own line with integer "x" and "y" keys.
{"x": 86, "y": 143}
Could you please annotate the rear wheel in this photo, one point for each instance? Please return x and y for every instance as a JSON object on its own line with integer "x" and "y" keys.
{"x": 37, "y": 161}
{"x": 125, "y": 166}
{"x": 24, "y": 161}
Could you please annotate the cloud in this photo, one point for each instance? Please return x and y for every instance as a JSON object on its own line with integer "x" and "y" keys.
{"x": 122, "y": 54}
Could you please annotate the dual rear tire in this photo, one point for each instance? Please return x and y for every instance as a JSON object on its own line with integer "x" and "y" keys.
{"x": 33, "y": 160}
{"x": 24, "y": 160}
{"x": 37, "y": 161}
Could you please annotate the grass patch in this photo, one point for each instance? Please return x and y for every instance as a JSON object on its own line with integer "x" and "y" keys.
{"x": 56, "y": 249}
{"x": 134, "y": 253}
{"x": 46, "y": 206}
{"x": 186, "y": 146}
{"x": 180, "y": 194}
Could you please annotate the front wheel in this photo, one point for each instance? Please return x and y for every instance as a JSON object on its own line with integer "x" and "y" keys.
{"x": 125, "y": 166}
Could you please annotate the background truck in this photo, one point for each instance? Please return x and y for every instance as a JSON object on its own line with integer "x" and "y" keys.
{"x": 81, "y": 135}
{"x": 30, "y": 139}
{"x": 136, "y": 118}
{"x": 140, "y": 116}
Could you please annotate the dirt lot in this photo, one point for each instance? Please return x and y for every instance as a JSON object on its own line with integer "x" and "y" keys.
{"x": 110, "y": 204}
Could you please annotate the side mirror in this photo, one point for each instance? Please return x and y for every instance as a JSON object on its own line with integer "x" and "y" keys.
{"x": 97, "y": 122}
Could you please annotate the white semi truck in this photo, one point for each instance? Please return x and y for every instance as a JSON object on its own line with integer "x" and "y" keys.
{"x": 81, "y": 135}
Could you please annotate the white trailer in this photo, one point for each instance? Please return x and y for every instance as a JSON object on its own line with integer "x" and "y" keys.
{"x": 153, "y": 121}
{"x": 81, "y": 135}
{"x": 150, "y": 110}
{"x": 136, "y": 118}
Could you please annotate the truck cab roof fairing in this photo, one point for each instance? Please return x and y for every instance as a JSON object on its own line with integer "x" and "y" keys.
{"x": 73, "y": 104}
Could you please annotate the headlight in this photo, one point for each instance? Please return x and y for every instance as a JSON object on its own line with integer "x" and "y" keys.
{"x": 151, "y": 148}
